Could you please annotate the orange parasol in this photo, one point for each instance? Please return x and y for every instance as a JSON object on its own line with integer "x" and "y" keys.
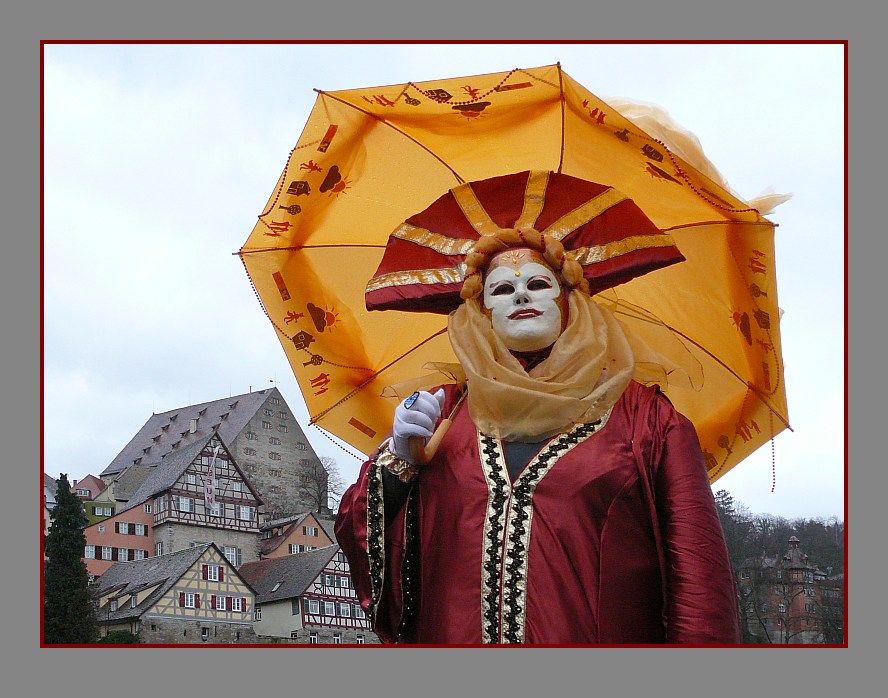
{"x": 369, "y": 158}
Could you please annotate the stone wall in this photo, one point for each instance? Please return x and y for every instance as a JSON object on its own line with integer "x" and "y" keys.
{"x": 177, "y": 537}
{"x": 181, "y": 631}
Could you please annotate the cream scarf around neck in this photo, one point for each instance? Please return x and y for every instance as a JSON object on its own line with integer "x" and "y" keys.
{"x": 587, "y": 370}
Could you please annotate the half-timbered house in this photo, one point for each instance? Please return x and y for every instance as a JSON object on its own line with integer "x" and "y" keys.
{"x": 257, "y": 427}
{"x": 198, "y": 494}
{"x": 296, "y": 534}
{"x": 193, "y": 596}
{"x": 307, "y": 598}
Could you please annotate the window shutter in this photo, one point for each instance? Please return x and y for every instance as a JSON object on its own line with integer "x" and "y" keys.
{"x": 244, "y": 605}
{"x": 117, "y": 526}
{"x": 205, "y": 571}
{"x": 221, "y": 573}
{"x": 181, "y": 598}
{"x": 212, "y": 602}
{"x": 113, "y": 553}
{"x": 197, "y": 600}
{"x": 227, "y": 603}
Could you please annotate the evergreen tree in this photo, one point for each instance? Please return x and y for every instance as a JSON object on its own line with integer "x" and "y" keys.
{"x": 69, "y": 616}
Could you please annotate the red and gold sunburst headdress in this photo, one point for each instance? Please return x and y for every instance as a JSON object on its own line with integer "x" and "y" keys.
{"x": 593, "y": 235}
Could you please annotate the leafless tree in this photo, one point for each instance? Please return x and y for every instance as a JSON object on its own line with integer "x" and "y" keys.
{"x": 321, "y": 485}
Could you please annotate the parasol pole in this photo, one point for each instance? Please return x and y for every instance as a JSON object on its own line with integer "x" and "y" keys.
{"x": 420, "y": 451}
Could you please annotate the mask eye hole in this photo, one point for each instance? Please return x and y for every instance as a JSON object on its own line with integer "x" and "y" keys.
{"x": 503, "y": 289}
{"x": 539, "y": 284}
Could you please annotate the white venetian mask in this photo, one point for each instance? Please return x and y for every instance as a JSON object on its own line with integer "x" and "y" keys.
{"x": 524, "y": 302}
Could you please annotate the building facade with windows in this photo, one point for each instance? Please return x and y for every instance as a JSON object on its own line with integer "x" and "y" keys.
{"x": 257, "y": 428}
{"x": 297, "y": 534}
{"x": 190, "y": 597}
{"x": 199, "y": 495}
{"x": 789, "y": 600}
{"x": 123, "y": 537}
{"x": 307, "y": 598}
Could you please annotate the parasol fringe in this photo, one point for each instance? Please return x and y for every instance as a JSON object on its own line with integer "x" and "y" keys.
{"x": 657, "y": 122}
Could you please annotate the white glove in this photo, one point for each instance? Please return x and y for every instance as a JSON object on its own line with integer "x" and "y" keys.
{"x": 418, "y": 419}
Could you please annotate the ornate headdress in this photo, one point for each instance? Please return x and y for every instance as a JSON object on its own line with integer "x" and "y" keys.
{"x": 592, "y": 234}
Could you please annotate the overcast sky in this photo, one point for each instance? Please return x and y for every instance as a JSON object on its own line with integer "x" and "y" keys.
{"x": 158, "y": 158}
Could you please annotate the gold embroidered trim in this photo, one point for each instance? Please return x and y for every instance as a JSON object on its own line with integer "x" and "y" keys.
{"x": 601, "y": 253}
{"x": 584, "y": 213}
{"x": 513, "y": 609}
{"x": 419, "y": 276}
{"x": 534, "y": 199}
{"x": 375, "y": 538}
{"x": 405, "y": 470}
{"x": 434, "y": 241}
{"x": 473, "y": 210}
{"x": 493, "y": 466}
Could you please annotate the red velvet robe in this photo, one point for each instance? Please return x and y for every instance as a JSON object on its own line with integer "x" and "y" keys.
{"x": 607, "y": 536}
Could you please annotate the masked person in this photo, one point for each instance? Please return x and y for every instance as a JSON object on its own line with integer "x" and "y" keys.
{"x": 568, "y": 503}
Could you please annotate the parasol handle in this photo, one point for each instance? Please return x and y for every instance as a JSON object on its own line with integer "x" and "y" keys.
{"x": 420, "y": 451}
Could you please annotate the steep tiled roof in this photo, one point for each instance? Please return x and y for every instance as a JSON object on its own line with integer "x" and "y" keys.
{"x": 92, "y": 483}
{"x": 128, "y": 577}
{"x": 162, "y": 431}
{"x": 267, "y": 545}
{"x": 128, "y": 481}
{"x": 294, "y": 572}
{"x": 327, "y": 525}
{"x": 165, "y": 474}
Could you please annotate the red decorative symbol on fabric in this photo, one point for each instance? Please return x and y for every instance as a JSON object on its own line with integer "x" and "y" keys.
{"x": 766, "y": 375}
{"x": 745, "y": 429}
{"x": 298, "y": 188}
{"x": 623, "y": 135}
{"x": 322, "y": 318}
{"x": 278, "y": 227}
{"x": 472, "y": 92}
{"x": 281, "y": 285}
{"x": 756, "y": 266}
{"x": 293, "y": 316}
{"x": 333, "y": 182}
{"x": 711, "y": 460}
{"x": 381, "y": 100}
{"x": 328, "y": 138}
{"x": 439, "y": 95}
{"x": 595, "y": 114}
{"x": 513, "y": 86}
{"x": 765, "y": 345}
{"x": 302, "y": 339}
{"x": 741, "y": 320}
{"x": 311, "y": 166}
{"x": 756, "y": 291}
{"x": 763, "y": 318}
{"x": 657, "y": 173}
{"x": 319, "y": 383}
{"x": 651, "y": 152}
{"x": 725, "y": 443}
{"x": 471, "y": 111}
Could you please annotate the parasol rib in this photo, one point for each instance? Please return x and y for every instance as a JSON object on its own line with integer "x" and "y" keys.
{"x": 561, "y": 93}
{"x": 394, "y": 128}
{"x": 304, "y": 247}
{"x": 320, "y": 415}
{"x": 721, "y": 363}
